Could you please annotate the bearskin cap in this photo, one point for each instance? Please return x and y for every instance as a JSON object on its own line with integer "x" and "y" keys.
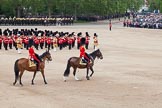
{"x": 82, "y": 41}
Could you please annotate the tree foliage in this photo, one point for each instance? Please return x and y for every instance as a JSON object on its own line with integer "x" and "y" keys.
{"x": 155, "y": 5}
{"x": 67, "y": 7}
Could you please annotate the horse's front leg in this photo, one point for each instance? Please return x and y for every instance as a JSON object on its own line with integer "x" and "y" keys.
{"x": 91, "y": 68}
{"x": 34, "y": 77}
{"x": 42, "y": 71}
{"x": 87, "y": 74}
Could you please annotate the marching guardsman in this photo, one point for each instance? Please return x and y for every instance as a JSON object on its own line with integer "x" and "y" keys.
{"x": 70, "y": 40}
{"x": 26, "y": 42}
{"x": 73, "y": 39}
{"x": 61, "y": 41}
{"x": 48, "y": 43}
{"x": 64, "y": 40}
{"x": 10, "y": 42}
{"x": 5, "y": 42}
{"x": 14, "y": 40}
{"x": 55, "y": 41}
{"x": 78, "y": 40}
{"x": 31, "y": 41}
{"x": 95, "y": 41}
{"x": 45, "y": 39}
{"x": 41, "y": 42}
{"x": 23, "y": 40}
{"x": 83, "y": 55}
{"x": 51, "y": 40}
{"x": 19, "y": 44}
{"x": 87, "y": 40}
{"x": 36, "y": 42}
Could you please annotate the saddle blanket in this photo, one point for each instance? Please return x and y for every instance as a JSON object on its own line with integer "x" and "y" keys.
{"x": 31, "y": 63}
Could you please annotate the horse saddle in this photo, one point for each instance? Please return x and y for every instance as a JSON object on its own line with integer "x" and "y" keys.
{"x": 31, "y": 63}
{"x": 84, "y": 62}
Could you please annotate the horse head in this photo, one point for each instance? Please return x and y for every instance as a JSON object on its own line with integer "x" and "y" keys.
{"x": 99, "y": 54}
{"x": 47, "y": 55}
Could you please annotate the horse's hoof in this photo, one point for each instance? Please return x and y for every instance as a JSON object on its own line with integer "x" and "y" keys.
{"x": 32, "y": 83}
{"x": 46, "y": 83}
{"x": 64, "y": 79}
{"x": 14, "y": 84}
{"x": 21, "y": 84}
{"x": 88, "y": 78}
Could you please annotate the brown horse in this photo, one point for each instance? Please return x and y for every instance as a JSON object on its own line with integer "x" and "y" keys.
{"x": 75, "y": 63}
{"x": 22, "y": 64}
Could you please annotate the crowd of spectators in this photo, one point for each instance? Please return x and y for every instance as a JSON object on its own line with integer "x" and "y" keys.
{"x": 151, "y": 20}
{"x": 36, "y": 21}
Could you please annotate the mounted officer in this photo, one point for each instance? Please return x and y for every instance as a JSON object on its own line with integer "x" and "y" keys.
{"x": 83, "y": 55}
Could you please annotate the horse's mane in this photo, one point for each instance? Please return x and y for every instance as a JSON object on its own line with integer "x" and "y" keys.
{"x": 94, "y": 52}
{"x": 44, "y": 54}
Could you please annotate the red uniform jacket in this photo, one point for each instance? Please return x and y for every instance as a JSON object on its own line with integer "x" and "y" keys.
{"x": 41, "y": 40}
{"x": 49, "y": 41}
{"x": 82, "y": 52}
{"x": 87, "y": 39}
{"x": 32, "y": 54}
{"x": 26, "y": 40}
{"x": 78, "y": 39}
{"x": 60, "y": 41}
{"x": 0, "y": 40}
{"x": 6, "y": 40}
{"x": 10, "y": 41}
{"x": 36, "y": 41}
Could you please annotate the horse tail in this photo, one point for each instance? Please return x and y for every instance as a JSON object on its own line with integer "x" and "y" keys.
{"x": 67, "y": 71}
{"x": 16, "y": 69}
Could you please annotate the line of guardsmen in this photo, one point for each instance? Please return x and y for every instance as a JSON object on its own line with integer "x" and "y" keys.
{"x": 36, "y": 21}
{"x": 42, "y": 39}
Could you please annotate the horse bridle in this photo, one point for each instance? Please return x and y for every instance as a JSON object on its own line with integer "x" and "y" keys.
{"x": 49, "y": 58}
{"x": 100, "y": 55}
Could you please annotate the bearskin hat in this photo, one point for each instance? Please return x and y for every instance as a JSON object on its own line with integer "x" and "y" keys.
{"x": 87, "y": 34}
{"x": 82, "y": 41}
{"x": 95, "y": 35}
{"x": 79, "y": 34}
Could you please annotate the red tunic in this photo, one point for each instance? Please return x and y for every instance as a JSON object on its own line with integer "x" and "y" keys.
{"x": 60, "y": 41}
{"x": 78, "y": 39}
{"x": 82, "y": 52}
{"x": 36, "y": 41}
{"x": 10, "y": 41}
{"x": 32, "y": 54}
{"x": 6, "y": 40}
{"x": 41, "y": 40}
{"x": 0, "y": 40}
{"x": 87, "y": 40}
{"x": 26, "y": 40}
{"x": 48, "y": 41}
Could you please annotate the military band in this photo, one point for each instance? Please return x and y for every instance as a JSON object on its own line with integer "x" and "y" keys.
{"x": 24, "y": 38}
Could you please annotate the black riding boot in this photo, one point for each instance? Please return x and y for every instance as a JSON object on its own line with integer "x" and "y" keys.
{"x": 37, "y": 66}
